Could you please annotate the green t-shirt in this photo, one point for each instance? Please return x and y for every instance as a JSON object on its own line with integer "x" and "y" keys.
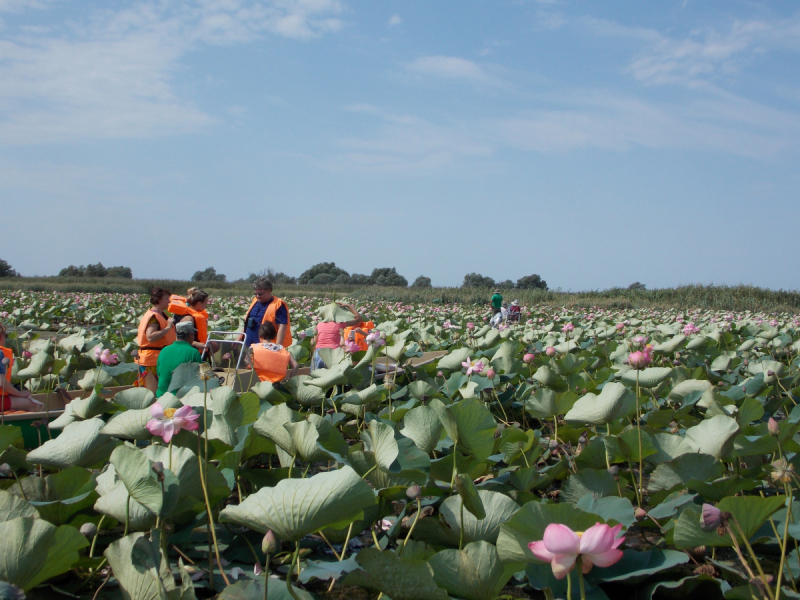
{"x": 497, "y": 301}
{"x": 170, "y": 358}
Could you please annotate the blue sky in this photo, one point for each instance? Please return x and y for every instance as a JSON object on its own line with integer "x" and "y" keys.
{"x": 595, "y": 144}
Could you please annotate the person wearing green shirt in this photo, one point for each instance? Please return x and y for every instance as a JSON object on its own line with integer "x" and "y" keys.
{"x": 179, "y": 352}
{"x": 497, "y": 302}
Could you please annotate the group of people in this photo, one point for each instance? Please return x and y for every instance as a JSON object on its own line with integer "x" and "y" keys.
{"x": 10, "y": 397}
{"x": 503, "y": 312}
{"x": 174, "y": 331}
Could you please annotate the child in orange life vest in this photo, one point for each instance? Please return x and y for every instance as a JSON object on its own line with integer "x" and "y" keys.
{"x": 10, "y": 397}
{"x": 193, "y": 307}
{"x": 270, "y": 360}
{"x": 156, "y": 332}
{"x": 358, "y": 334}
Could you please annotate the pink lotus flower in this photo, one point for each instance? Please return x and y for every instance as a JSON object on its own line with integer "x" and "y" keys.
{"x": 620, "y": 326}
{"x": 641, "y": 358}
{"x": 105, "y": 356}
{"x": 166, "y": 422}
{"x": 26, "y": 354}
{"x": 550, "y": 351}
{"x": 690, "y": 328}
{"x": 568, "y": 327}
{"x": 470, "y": 326}
{"x": 640, "y": 340}
{"x": 473, "y": 366}
{"x": 561, "y": 547}
{"x": 302, "y": 335}
{"x": 375, "y": 338}
{"x": 351, "y": 346}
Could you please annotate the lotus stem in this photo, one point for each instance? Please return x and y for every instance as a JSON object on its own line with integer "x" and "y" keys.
{"x": 455, "y": 469}
{"x": 414, "y": 524}
{"x": 335, "y": 553}
{"x": 289, "y": 587}
{"x": 266, "y": 576}
{"x": 346, "y": 542}
{"x": 94, "y": 540}
{"x": 783, "y": 544}
{"x": 753, "y": 556}
{"x": 569, "y": 586}
{"x": 640, "y": 490}
{"x": 580, "y": 579}
{"x": 211, "y": 524}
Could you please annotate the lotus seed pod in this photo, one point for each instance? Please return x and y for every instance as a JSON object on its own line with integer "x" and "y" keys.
{"x": 269, "y": 544}
{"x": 553, "y": 444}
{"x": 639, "y": 513}
{"x": 5, "y": 470}
{"x": 614, "y": 470}
{"x": 414, "y": 492}
{"x": 88, "y": 530}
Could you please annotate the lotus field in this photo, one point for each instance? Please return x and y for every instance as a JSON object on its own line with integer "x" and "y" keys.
{"x": 581, "y": 453}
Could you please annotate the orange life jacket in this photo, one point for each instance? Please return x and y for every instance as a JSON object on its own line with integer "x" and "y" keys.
{"x": 5, "y": 401}
{"x": 178, "y": 306}
{"x": 269, "y": 315}
{"x": 148, "y": 351}
{"x": 270, "y": 361}
{"x": 360, "y": 338}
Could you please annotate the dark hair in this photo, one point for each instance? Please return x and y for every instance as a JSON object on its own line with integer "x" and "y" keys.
{"x": 262, "y": 283}
{"x": 157, "y": 294}
{"x": 3, "y": 331}
{"x": 267, "y": 331}
{"x": 195, "y": 295}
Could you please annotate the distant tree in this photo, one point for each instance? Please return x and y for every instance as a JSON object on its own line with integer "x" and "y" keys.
{"x": 121, "y": 272}
{"x": 422, "y": 282}
{"x": 97, "y": 270}
{"x": 210, "y": 274}
{"x": 275, "y": 277}
{"x": 388, "y": 277}
{"x": 474, "y": 280}
{"x": 505, "y": 285}
{"x": 6, "y": 270}
{"x": 359, "y": 279}
{"x": 71, "y": 271}
{"x": 637, "y": 286}
{"x": 322, "y": 274}
{"x": 531, "y": 282}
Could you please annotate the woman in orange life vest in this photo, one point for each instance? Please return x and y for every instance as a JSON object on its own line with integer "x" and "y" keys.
{"x": 10, "y": 397}
{"x": 193, "y": 307}
{"x": 266, "y": 308}
{"x": 156, "y": 331}
{"x": 271, "y": 360}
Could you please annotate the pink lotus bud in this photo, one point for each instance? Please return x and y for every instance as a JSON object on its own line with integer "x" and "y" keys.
{"x": 639, "y": 513}
{"x": 439, "y": 374}
{"x": 26, "y": 354}
{"x": 550, "y": 351}
{"x": 470, "y": 326}
{"x": 773, "y": 427}
{"x": 710, "y": 518}
{"x": 568, "y": 327}
{"x": 227, "y": 356}
{"x": 528, "y": 358}
{"x": 269, "y": 544}
{"x": 490, "y": 373}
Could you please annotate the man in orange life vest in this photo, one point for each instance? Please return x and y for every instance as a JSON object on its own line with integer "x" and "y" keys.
{"x": 271, "y": 360}
{"x": 266, "y": 308}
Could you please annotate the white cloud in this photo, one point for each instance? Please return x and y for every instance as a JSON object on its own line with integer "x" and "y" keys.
{"x": 449, "y": 67}
{"x": 17, "y": 6}
{"x": 395, "y": 20}
{"x": 111, "y": 75}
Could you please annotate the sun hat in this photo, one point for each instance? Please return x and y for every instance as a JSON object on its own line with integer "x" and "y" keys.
{"x": 515, "y": 303}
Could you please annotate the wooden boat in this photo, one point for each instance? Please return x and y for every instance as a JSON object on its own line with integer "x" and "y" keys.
{"x": 240, "y": 380}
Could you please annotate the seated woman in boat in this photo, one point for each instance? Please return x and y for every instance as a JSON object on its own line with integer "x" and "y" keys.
{"x": 156, "y": 331}
{"x": 193, "y": 308}
{"x": 271, "y": 361}
{"x": 329, "y": 334}
{"x": 10, "y": 397}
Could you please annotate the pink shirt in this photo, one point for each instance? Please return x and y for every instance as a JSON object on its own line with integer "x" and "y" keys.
{"x": 329, "y": 335}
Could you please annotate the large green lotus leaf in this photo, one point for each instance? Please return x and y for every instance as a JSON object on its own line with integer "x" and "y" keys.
{"x": 80, "y": 444}
{"x": 135, "y": 471}
{"x": 635, "y": 567}
{"x": 94, "y": 377}
{"x": 747, "y": 345}
{"x": 271, "y": 425}
{"x": 73, "y": 344}
{"x": 681, "y": 470}
{"x": 266, "y": 391}
{"x": 113, "y": 499}
{"x": 751, "y": 512}
{"x": 547, "y": 377}
{"x": 32, "y": 551}
{"x": 327, "y": 378}
{"x": 670, "y": 345}
{"x": 490, "y": 339}
{"x": 568, "y": 365}
{"x": 59, "y": 496}
{"x": 305, "y": 436}
{"x": 86, "y": 408}
{"x": 470, "y": 424}
{"x": 713, "y": 436}
{"x": 546, "y": 403}
{"x": 379, "y": 439}
{"x": 766, "y": 366}
{"x": 333, "y": 313}
{"x": 421, "y": 390}
{"x": 452, "y": 361}
{"x": 697, "y": 342}
{"x": 333, "y": 357}
{"x": 307, "y": 395}
{"x": 380, "y": 478}
{"x": 668, "y": 447}
{"x": 474, "y": 573}
{"x": 614, "y": 402}
{"x": 422, "y": 425}
{"x": 329, "y": 439}
{"x": 372, "y": 394}
{"x": 597, "y": 482}
{"x": 528, "y": 525}
{"x": 143, "y": 572}
{"x": 648, "y": 378}
{"x": 611, "y": 508}
{"x": 12, "y": 507}
{"x": 39, "y": 363}
{"x": 395, "y": 351}
{"x": 135, "y": 398}
{"x": 253, "y": 589}
{"x": 395, "y": 577}
{"x": 186, "y": 380}
{"x": 183, "y": 463}
{"x": 129, "y": 425}
{"x": 686, "y": 387}
{"x": 295, "y": 508}
{"x": 499, "y": 509}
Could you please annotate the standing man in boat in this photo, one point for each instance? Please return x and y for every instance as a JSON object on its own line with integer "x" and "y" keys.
{"x": 266, "y": 307}
{"x": 156, "y": 331}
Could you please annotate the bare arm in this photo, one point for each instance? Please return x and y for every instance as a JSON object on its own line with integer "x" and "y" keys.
{"x": 153, "y": 333}
{"x": 353, "y": 310}
{"x": 293, "y": 364}
{"x": 281, "y": 333}
{"x": 10, "y": 390}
